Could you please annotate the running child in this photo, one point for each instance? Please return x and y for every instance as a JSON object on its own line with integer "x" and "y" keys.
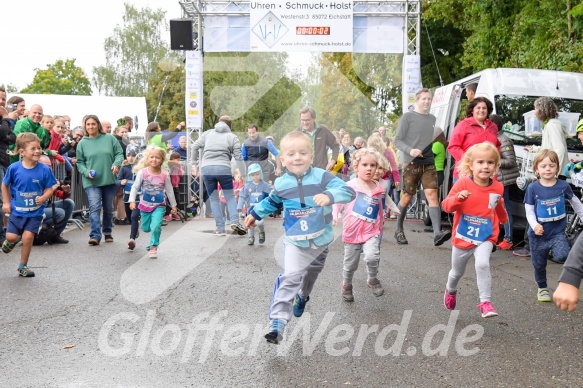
{"x": 176, "y": 174}
{"x": 26, "y": 187}
{"x": 306, "y": 194}
{"x": 362, "y": 224}
{"x": 546, "y": 214}
{"x": 154, "y": 183}
{"x": 250, "y": 195}
{"x": 125, "y": 179}
{"x": 388, "y": 203}
{"x": 477, "y": 202}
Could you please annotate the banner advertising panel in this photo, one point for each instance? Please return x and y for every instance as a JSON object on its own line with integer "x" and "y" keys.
{"x": 411, "y": 80}
{"x": 193, "y": 96}
{"x": 308, "y": 26}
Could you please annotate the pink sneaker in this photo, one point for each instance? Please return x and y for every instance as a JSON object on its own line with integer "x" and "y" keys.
{"x": 153, "y": 252}
{"x": 487, "y": 309}
{"x": 449, "y": 300}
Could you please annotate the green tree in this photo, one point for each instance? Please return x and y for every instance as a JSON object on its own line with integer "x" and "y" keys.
{"x": 171, "y": 102}
{"x": 62, "y": 77}
{"x": 10, "y": 88}
{"x": 523, "y": 33}
{"x": 132, "y": 53}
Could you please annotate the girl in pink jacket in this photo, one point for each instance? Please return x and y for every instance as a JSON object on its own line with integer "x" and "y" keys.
{"x": 362, "y": 222}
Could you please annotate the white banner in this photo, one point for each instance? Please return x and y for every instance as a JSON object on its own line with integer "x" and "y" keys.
{"x": 318, "y": 26}
{"x": 411, "y": 80}
{"x": 193, "y": 94}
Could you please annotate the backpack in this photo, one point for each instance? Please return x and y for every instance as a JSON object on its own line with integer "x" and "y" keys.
{"x": 47, "y": 233}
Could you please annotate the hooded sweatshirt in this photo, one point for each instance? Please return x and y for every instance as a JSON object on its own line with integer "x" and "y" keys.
{"x": 356, "y": 230}
{"x": 219, "y": 145}
{"x": 27, "y": 125}
{"x": 252, "y": 193}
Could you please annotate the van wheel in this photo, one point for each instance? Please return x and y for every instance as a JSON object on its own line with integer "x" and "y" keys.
{"x": 425, "y": 215}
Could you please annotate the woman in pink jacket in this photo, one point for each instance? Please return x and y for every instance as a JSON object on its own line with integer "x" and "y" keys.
{"x": 475, "y": 128}
{"x": 362, "y": 222}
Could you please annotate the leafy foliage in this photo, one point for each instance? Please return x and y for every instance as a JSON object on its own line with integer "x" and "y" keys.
{"x": 522, "y": 33}
{"x": 62, "y": 77}
{"x": 132, "y": 53}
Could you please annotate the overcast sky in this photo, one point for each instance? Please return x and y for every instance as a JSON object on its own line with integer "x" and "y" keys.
{"x": 36, "y": 33}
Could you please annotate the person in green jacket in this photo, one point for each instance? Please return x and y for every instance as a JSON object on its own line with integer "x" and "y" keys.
{"x": 438, "y": 148}
{"x": 99, "y": 158}
{"x": 32, "y": 124}
{"x": 155, "y": 137}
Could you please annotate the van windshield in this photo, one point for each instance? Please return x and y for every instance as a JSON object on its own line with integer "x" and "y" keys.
{"x": 512, "y": 108}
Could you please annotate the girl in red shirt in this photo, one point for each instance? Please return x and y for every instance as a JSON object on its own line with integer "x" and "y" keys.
{"x": 477, "y": 201}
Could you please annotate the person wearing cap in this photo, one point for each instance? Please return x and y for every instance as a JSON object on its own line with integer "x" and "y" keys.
{"x": 125, "y": 180}
{"x": 580, "y": 131}
{"x": 256, "y": 149}
{"x": 252, "y": 193}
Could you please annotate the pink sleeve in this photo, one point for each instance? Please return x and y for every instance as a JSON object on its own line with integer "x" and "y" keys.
{"x": 394, "y": 167}
{"x": 336, "y": 209}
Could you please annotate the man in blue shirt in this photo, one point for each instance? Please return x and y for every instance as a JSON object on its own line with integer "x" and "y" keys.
{"x": 256, "y": 149}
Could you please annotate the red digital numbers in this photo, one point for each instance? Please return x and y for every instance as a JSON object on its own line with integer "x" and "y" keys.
{"x": 312, "y": 30}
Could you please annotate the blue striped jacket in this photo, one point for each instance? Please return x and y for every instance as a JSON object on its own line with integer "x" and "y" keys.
{"x": 293, "y": 192}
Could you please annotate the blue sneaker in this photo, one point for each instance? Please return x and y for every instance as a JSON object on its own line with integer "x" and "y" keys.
{"x": 299, "y": 305}
{"x": 275, "y": 333}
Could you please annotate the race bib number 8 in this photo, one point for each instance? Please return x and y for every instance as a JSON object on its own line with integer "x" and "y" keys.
{"x": 366, "y": 207}
{"x": 552, "y": 209}
{"x": 304, "y": 224}
{"x": 473, "y": 229}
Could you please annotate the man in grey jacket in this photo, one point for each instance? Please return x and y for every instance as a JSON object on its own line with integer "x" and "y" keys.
{"x": 219, "y": 146}
{"x": 414, "y": 139}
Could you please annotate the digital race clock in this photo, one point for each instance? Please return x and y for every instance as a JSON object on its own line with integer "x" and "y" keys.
{"x": 312, "y": 30}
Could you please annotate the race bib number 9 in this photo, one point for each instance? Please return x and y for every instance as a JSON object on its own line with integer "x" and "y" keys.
{"x": 552, "y": 209}
{"x": 473, "y": 229}
{"x": 26, "y": 202}
{"x": 304, "y": 224}
{"x": 366, "y": 207}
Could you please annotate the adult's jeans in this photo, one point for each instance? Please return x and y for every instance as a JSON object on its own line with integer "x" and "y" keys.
{"x": 100, "y": 198}
{"x": 63, "y": 211}
{"x": 212, "y": 177}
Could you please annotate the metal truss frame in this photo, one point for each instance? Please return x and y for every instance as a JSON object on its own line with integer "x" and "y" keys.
{"x": 197, "y": 10}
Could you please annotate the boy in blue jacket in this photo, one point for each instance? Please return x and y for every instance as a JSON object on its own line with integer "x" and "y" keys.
{"x": 306, "y": 195}
{"x": 254, "y": 191}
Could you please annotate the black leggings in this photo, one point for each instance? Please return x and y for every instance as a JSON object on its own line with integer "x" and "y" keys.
{"x": 135, "y": 219}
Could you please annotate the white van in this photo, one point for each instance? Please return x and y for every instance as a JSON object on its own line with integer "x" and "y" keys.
{"x": 513, "y": 92}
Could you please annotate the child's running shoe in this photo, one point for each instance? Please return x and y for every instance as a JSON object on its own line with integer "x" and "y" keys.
{"x": 240, "y": 229}
{"x": 377, "y": 289}
{"x": 275, "y": 333}
{"x": 543, "y": 295}
{"x": 219, "y": 233}
{"x": 261, "y": 237}
{"x": 449, "y": 300}
{"x": 175, "y": 217}
{"x": 487, "y": 309}
{"x": 25, "y": 272}
{"x": 505, "y": 244}
{"x": 131, "y": 244}
{"x": 251, "y": 241}
{"x": 153, "y": 252}
{"x": 7, "y": 247}
{"x": 346, "y": 292}
{"x": 299, "y": 305}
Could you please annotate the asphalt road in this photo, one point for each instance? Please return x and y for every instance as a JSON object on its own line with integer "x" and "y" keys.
{"x": 195, "y": 317}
